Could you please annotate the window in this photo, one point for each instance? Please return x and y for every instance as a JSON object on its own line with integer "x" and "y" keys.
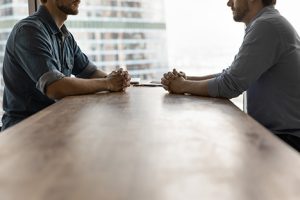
{"x": 129, "y": 33}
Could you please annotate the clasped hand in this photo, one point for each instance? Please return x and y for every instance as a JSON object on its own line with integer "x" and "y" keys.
{"x": 173, "y": 81}
{"x": 118, "y": 80}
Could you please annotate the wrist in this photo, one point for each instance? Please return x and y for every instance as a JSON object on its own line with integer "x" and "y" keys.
{"x": 107, "y": 84}
{"x": 184, "y": 86}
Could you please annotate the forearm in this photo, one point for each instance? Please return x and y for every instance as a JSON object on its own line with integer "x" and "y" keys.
{"x": 199, "y": 88}
{"x": 68, "y": 86}
{"x": 98, "y": 74}
{"x": 200, "y": 78}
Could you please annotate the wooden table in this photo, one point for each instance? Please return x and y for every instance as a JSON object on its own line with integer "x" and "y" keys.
{"x": 145, "y": 145}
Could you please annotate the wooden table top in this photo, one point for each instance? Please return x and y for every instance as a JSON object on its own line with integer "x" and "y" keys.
{"x": 145, "y": 144}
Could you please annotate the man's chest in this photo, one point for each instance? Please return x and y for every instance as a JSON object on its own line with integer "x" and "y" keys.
{"x": 63, "y": 53}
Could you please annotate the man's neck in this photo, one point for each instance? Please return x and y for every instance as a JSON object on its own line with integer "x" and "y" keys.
{"x": 254, "y": 10}
{"x": 58, "y": 16}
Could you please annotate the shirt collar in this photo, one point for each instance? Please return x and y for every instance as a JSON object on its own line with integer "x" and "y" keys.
{"x": 46, "y": 17}
{"x": 260, "y": 13}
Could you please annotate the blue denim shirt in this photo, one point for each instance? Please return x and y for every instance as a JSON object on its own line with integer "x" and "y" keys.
{"x": 268, "y": 67}
{"x": 37, "y": 54}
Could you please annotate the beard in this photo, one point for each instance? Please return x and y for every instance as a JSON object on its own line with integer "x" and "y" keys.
{"x": 67, "y": 8}
{"x": 240, "y": 13}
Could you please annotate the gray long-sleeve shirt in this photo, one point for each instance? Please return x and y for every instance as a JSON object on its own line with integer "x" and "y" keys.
{"x": 268, "y": 67}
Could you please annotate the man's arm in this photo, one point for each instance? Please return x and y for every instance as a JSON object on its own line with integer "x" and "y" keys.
{"x": 259, "y": 52}
{"x": 68, "y": 86}
{"x": 98, "y": 74}
{"x": 179, "y": 85}
{"x": 201, "y": 78}
{"x": 199, "y": 88}
{"x": 195, "y": 78}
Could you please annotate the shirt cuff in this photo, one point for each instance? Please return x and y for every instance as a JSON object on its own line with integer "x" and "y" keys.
{"x": 213, "y": 89}
{"x": 48, "y": 78}
{"x": 217, "y": 75}
{"x": 88, "y": 71}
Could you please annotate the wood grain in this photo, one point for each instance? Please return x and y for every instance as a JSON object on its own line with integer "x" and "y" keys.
{"x": 145, "y": 144}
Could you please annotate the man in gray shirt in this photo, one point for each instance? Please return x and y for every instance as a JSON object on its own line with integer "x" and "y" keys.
{"x": 267, "y": 66}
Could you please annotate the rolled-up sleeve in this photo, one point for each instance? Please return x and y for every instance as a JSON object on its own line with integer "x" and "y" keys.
{"x": 213, "y": 89}
{"x": 46, "y": 79}
{"x": 258, "y": 53}
{"x": 225, "y": 85}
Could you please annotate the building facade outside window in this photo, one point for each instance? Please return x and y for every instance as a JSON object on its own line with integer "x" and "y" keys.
{"x": 126, "y": 33}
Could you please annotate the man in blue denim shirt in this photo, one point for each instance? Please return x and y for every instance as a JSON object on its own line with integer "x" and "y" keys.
{"x": 267, "y": 66}
{"x": 40, "y": 56}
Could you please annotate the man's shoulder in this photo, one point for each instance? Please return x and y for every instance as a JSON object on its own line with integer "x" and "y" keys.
{"x": 267, "y": 24}
{"x": 263, "y": 22}
{"x": 271, "y": 18}
{"x": 30, "y": 21}
{"x": 271, "y": 24}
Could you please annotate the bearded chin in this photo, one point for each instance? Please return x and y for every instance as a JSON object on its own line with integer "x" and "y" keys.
{"x": 67, "y": 10}
{"x": 237, "y": 18}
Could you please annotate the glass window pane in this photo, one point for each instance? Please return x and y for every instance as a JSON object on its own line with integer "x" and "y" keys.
{"x": 128, "y": 33}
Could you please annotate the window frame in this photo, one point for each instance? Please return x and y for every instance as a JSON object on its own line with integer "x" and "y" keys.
{"x": 33, "y": 5}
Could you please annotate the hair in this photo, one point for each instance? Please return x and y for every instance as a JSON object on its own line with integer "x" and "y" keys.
{"x": 265, "y": 2}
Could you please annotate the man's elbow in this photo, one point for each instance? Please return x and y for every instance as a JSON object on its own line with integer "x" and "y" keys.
{"x": 54, "y": 95}
{"x": 55, "y": 91}
{"x": 229, "y": 94}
